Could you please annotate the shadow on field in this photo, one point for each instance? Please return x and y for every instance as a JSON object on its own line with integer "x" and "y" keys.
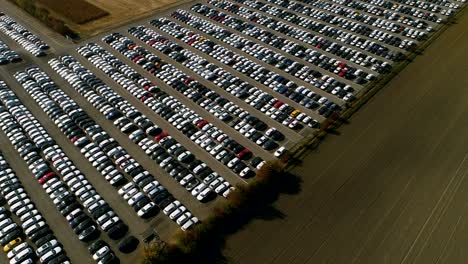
{"x": 263, "y": 209}
{"x": 333, "y": 131}
{"x": 211, "y": 241}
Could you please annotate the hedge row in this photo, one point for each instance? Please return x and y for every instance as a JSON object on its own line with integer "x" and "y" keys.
{"x": 204, "y": 242}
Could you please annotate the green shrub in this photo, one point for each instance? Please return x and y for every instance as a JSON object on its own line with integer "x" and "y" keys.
{"x": 240, "y": 206}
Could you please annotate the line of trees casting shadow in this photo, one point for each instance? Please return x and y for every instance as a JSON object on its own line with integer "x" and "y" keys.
{"x": 204, "y": 243}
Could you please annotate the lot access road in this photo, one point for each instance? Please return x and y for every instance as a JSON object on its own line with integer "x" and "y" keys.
{"x": 392, "y": 186}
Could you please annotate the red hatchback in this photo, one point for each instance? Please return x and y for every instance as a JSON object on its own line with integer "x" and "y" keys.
{"x": 161, "y": 136}
{"x": 46, "y": 177}
{"x": 201, "y": 123}
{"x": 278, "y": 104}
{"x": 244, "y": 154}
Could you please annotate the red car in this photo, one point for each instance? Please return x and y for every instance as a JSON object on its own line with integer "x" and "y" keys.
{"x": 188, "y": 80}
{"x": 244, "y": 154}
{"x": 161, "y": 136}
{"x": 148, "y": 86}
{"x": 278, "y": 104}
{"x": 201, "y": 123}
{"x": 137, "y": 58}
{"x": 46, "y": 177}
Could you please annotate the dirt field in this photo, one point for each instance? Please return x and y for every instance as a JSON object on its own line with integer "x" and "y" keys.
{"x": 121, "y": 12}
{"x": 87, "y": 11}
{"x": 392, "y": 186}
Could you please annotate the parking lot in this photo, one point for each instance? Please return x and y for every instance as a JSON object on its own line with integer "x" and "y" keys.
{"x": 144, "y": 128}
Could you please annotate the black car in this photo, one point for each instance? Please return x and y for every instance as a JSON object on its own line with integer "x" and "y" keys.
{"x": 89, "y": 233}
{"x": 45, "y": 230}
{"x": 95, "y": 246}
{"x": 160, "y": 196}
{"x": 70, "y": 208}
{"x": 255, "y": 161}
{"x": 239, "y": 167}
{"x": 46, "y": 238}
{"x": 118, "y": 231}
{"x": 10, "y": 236}
{"x": 228, "y": 158}
{"x": 78, "y": 219}
{"x": 100, "y": 211}
{"x": 269, "y": 145}
{"x": 141, "y": 203}
{"x": 60, "y": 258}
{"x": 165, "y": 202}
{"x": 83, "y": 225}
{"x": 128, "y": 244}
{"x": 276, "y": 135}
{"x": 110, "y": 259}
{"x": 193, "y": 164}
{"x": 144, "y": 181}
{"x": 66, "y": 202}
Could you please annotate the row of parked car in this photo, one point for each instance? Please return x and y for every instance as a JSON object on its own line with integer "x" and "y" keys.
{"x": 270, "y": 80}
{"x": 297, "y": 49}
{"x": 7, "y": 55}
{"x": 24, "y": 37}
{"x": 334, "y": 22}
{"x": 143, "y": 193}
{"x": 93, "y": 141}
{"x": 165, "y": 150}
{"x": 371, "y": 18}
{"x": 208, "y": 135}
{"x": 47, "y": 162}
{"x": 18, "y": 251}
{"x": 211, "y": 100}
{"x": 14, "y": 122}
{"x": 12, "y": 236}
{"x": 205, "y": 135}
{"x": 329, "y": 46}
{"x": 318, "y": 35}
{"x": 398, "y": 12}
{"x": 241, "y": 120}
{"x": 306, "y": 72}
{"x": 219, "y": 76}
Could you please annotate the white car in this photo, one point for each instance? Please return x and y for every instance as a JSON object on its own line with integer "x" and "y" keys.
{"x": 183, "y": 218}
{"x": 204, "y": 194}
{"x": 42, "y": 249}
{"x": 17, "y": 249}
{"x": 222, "y": 187}
{"x": 186, "y": 179}
{"x": 188, "y": 224}
{"x": 198, "y": 189}
{"x": 126, "y": 188}
{"x": 101, "y": 253}
{"x": 146, "y": 209}
{"x": 233, "y": 162}
{"x": 177, "y": 212}
{"x": 171, "y": 207}
{"x": 260, "y": 165}
{"x": 280, "y": 152}
{"x": 135, "y": 198}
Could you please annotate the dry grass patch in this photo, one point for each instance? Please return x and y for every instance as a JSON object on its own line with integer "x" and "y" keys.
{"x": 78, "y": 11}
